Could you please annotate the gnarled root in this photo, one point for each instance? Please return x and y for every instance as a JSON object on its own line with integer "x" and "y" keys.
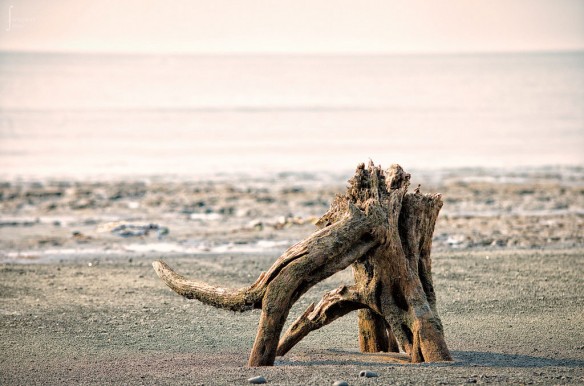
{"x": 332, "y": 306}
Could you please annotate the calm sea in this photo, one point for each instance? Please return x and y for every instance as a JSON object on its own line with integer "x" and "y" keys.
{"x": 70, "y": 115}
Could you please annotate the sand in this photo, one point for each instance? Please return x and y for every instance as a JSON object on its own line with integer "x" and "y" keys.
{"x": 80, "y": 304}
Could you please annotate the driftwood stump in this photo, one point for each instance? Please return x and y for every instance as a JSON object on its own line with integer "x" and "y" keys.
{"x": 380, "y": 230}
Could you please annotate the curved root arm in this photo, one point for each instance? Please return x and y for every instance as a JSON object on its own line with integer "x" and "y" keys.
{"x": 241, "y": 299}
{"x": 332, "y": 306}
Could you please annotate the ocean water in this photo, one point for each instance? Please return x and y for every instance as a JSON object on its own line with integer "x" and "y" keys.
{"x": 90, "y": 116}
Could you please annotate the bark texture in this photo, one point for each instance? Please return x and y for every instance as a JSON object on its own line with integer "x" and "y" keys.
{"x": 380, "y": 230}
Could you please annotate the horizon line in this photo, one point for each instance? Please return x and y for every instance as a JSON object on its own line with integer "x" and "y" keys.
{"x": 296, "y": 53}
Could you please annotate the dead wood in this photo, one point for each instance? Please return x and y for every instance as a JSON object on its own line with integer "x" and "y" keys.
{"x": 332, "y": 306}
{"x": 386, "y": 236}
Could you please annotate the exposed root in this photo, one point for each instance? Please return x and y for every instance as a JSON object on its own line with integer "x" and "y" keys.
{"x": 332, "y": 306}
{"x": 241, "y": 299}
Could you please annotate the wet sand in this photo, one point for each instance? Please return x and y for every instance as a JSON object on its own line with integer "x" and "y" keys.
{"x": 80, "y": 303}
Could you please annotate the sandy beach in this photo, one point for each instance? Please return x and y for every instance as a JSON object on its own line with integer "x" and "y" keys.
{"x": 81, "y": 304}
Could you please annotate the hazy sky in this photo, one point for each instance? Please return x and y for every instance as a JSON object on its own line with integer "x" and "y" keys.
{"x": 299, "y": 26}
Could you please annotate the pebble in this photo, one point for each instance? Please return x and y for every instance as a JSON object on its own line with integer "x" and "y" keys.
{"x": 257, "y": 380}
{"x": 367, "y": 374}
{"x": 340, "y": 383}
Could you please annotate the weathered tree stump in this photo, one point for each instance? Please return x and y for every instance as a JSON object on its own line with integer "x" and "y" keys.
{"x": 380, "y": 230}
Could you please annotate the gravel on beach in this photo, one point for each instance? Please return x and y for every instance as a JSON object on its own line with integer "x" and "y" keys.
{"x": 509, "y": 317}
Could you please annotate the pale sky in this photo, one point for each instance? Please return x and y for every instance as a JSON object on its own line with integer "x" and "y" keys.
{"x": 298, "y": 26}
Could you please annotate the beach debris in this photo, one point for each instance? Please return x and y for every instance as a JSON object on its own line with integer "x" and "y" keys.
{"x": 162, "y": 232}
{"x": 205, "y": 216}
{"x": 16, "y": 222}
{"x": 133, "y": 205}
{"x": 288, "y": 221}
{"x": 80, "y": 237}
{"x": 340, "y": 383}
{"x": 282, "y": 222}
{"x": 83, "y": 203}
{"x": 124, "y": 229}
{"x": 385, "y": 234}
{"x": 257, "y": 380}
{"x": 367, "y": 374}
{"x": 456, "y": 240}
{"x": 256, "y": 225}
{"x": 53, "y": 241}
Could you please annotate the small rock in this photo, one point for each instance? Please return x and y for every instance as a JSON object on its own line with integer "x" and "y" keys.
{"x": 80, "y": 237}
{"x": 256, "y": 225}
{"x": 340, "y": 383}
{"x": 162, "y": 231}
{"x": 367, "y": 374}
{"x": 257, "y": 380}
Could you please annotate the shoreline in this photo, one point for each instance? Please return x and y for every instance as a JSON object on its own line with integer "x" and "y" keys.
{"x": 431, "y": 174}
